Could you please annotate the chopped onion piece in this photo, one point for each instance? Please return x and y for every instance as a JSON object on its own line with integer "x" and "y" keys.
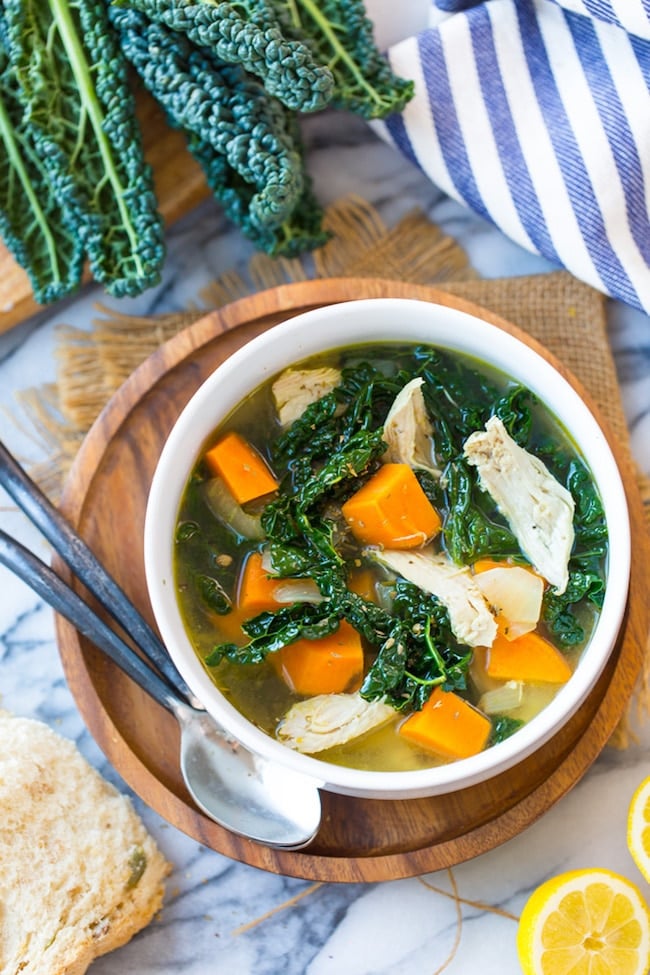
{"x": 515, "y": 597}
{"x": 291, "y": 590}
{"x": 504, "y": 698}
{"x": 224, "y": 507}
{"x": 298, "y": 591}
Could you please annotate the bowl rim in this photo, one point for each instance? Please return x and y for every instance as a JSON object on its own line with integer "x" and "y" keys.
{"x": 295, "y": 339}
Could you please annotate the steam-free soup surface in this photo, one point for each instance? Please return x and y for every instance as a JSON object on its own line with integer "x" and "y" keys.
{"x": 362, "y": 580}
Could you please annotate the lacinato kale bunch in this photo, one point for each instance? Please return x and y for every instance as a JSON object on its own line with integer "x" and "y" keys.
{"x": 260, "y": 63}
{"x": 73, "y": 180}
{"x": 234, "y": 77}
{"x": 246, "y": 142}
{"x": 308, "y": 53}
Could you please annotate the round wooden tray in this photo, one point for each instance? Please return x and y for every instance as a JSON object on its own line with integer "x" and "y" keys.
{"x": 360, "y": 840}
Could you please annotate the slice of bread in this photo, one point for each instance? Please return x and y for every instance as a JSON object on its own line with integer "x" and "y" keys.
{"x": 79, "y": 873}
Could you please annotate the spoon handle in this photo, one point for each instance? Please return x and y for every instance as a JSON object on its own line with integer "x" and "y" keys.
{"x": 74, "y": 551}
{"x": 53, "y": 590}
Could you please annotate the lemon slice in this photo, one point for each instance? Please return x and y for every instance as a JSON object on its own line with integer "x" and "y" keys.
{"x": 585, "y": 922}
{"x": 638, "y": 828}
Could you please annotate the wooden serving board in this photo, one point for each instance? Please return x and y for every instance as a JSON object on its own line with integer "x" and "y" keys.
{"x": 360, "y": 839}
{"x": 179, "y": 184}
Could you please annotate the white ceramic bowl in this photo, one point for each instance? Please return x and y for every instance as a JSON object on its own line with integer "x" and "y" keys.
{"x": 349, "y": 323}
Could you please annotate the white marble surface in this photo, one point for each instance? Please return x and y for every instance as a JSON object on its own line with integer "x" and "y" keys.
{"x": 222, "y": 916}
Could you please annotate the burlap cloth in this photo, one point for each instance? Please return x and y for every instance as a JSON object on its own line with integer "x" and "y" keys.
{"x": 565, "y": 315}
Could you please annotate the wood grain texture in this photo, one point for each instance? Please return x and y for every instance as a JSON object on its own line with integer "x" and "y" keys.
{"x": 360, "y": 840}
{"x": 179, "y": 184}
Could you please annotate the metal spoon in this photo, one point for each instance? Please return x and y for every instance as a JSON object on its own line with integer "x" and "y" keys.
{"x": 242, "y": 791}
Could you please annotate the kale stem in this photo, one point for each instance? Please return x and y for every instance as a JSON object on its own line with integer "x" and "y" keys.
{"x": 15, "y": 158}
{"x": 293, "y": 12}
{"x": 82, "y": 72}
{"x": 433, "y": 652}
{"x": 432, "y": 682}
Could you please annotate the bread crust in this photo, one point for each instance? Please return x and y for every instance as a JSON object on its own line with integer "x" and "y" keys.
{"x": 79, "y": 872}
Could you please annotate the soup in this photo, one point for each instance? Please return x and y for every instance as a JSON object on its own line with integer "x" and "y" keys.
{"x": 390, "y": 556}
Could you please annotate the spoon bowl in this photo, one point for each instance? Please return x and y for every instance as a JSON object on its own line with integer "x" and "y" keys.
{"x": 247, "y": 794}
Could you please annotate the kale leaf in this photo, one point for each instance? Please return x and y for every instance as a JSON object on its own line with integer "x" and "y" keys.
{"x": 35, "y": 226}
{"x": 78, "y": 104}
{"x": 472, "y": 527}
{"x": 222, "y": 108}
{"x": 341, "y": 35}
{"x": 291, "y": 517}
{"x": 213, "y": 593}
{"x": 360, "y": 402}
{"x": 503, "y": 727}
{"x": 270, "y": 632}
{"x": 459, "y": 399}
{"x": 419, "y": 653}
{"x": 248, "y": 33}
{"x": 586, "y": 583}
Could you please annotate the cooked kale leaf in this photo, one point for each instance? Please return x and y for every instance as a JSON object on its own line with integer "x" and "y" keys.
{"x": 503, "y": 727}
{"x": 419, "y": 653}
{"x": 272, "y": 631}
{"x": 473, "y": 528}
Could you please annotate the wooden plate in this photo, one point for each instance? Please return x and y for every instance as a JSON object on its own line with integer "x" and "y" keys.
{"x": 360, "y": 840}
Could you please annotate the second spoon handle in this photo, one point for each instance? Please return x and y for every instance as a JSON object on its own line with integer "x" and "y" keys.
{"x": 86, "y": 566}
{"x": 53, "y": 590}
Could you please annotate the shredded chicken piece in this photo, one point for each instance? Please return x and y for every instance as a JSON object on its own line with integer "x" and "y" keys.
{"x": 472, "y": 623}
{"x": 330, "y": 719}
{"x": 537, "y": 507}
{"x": 296, "y": 389}
{"x": 408, "y": 430}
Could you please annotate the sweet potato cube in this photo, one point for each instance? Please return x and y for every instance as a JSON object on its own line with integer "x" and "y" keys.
{"x": 255, "y": 594}
{"x": 241, "y": 467}
{"x": 362, "y": 582}
{"x": 256, "y": 590}
{"x": 448, "y": 725}
{"x": 392, "y": 510}
{"x": 330, "y": 665}
{"x": 529, "y": 658}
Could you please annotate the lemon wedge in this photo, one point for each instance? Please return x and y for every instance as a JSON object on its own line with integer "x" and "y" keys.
{"x": 585, "y": 922}
{"x": 638, "y": 828}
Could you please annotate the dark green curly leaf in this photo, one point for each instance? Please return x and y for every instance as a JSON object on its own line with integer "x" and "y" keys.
{"x": 213, "y": 594}
{"x": 341, "y": 35}
{"x": 503, "y": 727}
{"x": 471, "y": 528}
{"x": 36, "y": 228}
{"x": 233, "y": 127}
{"x": 80, "y": 108}
{"x": 248, "y": 33}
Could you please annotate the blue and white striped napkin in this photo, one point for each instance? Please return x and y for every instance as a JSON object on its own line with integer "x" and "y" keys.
{"x": 536, "y": 114}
